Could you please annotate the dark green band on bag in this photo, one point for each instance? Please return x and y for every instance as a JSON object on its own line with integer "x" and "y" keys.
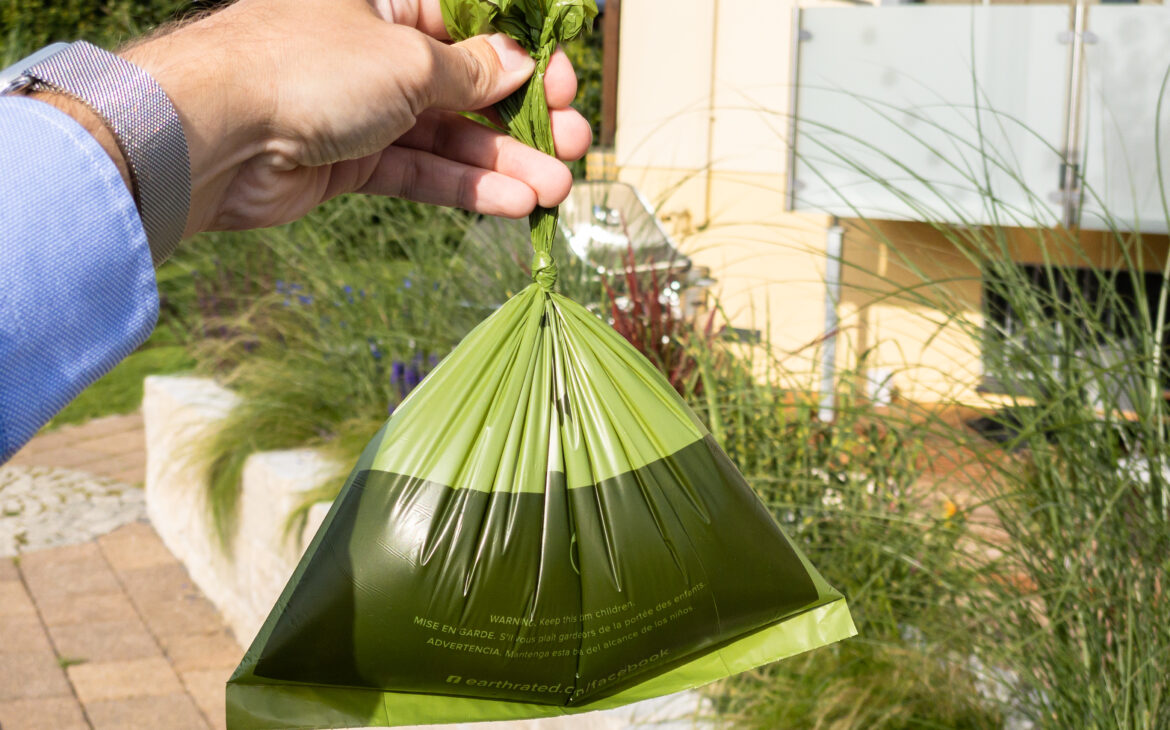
{"x": 560, "y": 598}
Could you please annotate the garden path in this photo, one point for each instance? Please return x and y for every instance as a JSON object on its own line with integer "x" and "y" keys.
{"x": 111, "y": 447}
{"x": 110, "y": 632}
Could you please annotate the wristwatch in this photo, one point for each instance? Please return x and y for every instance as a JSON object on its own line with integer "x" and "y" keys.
{"x": 138, "y": 113}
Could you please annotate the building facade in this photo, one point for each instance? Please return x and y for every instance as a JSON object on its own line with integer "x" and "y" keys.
{"x": 834, "y": 166}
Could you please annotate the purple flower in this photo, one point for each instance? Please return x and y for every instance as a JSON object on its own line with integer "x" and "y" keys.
{"x": 413, "y": 378}
{"x": 405, "y": 376}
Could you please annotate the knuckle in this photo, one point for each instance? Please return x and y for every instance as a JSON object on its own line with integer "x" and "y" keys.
{"x": 409, "y": 177}
{"x": 465, "y": 196}
{"x": 477, "y": 76}
{"x": 425, "y": 68}
{"x": 442, "y": 136}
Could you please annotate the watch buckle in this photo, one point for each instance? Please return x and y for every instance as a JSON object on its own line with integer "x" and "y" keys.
{"x": 18, "y": 84}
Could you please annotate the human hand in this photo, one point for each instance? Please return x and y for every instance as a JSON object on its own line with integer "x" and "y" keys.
{"x": 286, "y": 105}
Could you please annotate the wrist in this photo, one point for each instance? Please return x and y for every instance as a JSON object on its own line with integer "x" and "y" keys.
{"x": 217, "y": 101}
{"x": 147, "y": 132}
{"x": 92, "y": 123}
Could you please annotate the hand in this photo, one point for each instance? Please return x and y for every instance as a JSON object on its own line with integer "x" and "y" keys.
{"x": 288, "y": 104}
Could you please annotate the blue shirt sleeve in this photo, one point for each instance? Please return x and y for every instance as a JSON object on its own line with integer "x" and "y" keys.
{"x": 77, "y": 288}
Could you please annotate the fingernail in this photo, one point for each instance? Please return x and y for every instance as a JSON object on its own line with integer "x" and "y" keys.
{"x": 513, "y": 57}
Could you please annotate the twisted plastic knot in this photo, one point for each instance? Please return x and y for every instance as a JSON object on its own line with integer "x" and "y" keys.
{"x": 544, "y": 270}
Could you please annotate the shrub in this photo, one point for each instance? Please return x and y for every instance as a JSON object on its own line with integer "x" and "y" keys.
{"x": 26, "y": 25}
{"x": 854, "y": 495}
{"x": 1059, "y": 602}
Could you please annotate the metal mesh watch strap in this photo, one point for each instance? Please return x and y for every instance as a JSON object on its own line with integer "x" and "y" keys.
{"x": 144, "y": 122}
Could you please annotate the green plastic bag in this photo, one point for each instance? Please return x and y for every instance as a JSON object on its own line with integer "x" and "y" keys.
{"x": 543, "y": 527}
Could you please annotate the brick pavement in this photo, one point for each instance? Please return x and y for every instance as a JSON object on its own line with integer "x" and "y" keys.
{"x": 111, "y": 446}
{"x": 109, "y": 635}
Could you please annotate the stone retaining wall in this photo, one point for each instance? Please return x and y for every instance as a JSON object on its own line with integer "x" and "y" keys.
{"x": 180, "y": 414}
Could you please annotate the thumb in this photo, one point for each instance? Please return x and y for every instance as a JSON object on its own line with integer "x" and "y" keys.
{"x": 477, "y": 72}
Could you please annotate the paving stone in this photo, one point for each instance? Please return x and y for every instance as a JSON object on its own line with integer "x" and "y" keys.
{"x": 26, "y": 675}
{"x": 217, "y": 650}
{"x": 85, "y": 608}
{"x": 169, "y": 602}
{"x": 187, "y": 615}
{"x": 44, "y": 442}
{"x": 43, "y": 713}
{"x": 67, "y": 553}
{"x": 158, "y": 583}
{"x": 104, "y": 640}
{"x": 172, "y": 712}
{"x": 97, "y": 681}
{"x": 14, "y": 599}
{"x": 135, "y": 476}
{"x": 207, "y": 688}
{"x": 104, "y": 426}
{"x": 65, "y": 458}
{"x": 132, "y": 465}
{"x": 69, "y": 577}
{"x": 110, "y": 601}
{"x": 23, "y": 633}
{"x": 124, "y": 421}
{"x": 135, "y": 546}
{"x": 114, "y": 444}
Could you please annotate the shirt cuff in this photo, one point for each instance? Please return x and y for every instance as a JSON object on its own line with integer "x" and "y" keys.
{"x": 77, "y": 287}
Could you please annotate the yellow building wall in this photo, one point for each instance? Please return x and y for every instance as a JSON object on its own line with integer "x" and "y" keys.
{"x": 912, "y": 296}
{"x": 910, "y": 304}
{"x": 702, "y": 129}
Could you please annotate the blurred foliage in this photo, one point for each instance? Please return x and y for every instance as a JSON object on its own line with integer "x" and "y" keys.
{"x": 1079, "y": 621}
{"x": 585, "y": 53}
{"x": 851, "y": 493}
{"x": 26, "y": 25}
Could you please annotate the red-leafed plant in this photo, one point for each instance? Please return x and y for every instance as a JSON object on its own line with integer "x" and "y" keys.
{"x": 647, "y": 319}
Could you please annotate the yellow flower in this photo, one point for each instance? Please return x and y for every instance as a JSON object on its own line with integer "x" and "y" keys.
{"x": 950, "y": 509}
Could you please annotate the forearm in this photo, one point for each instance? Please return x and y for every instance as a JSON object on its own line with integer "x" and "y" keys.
{"x": 77, "y": 289}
